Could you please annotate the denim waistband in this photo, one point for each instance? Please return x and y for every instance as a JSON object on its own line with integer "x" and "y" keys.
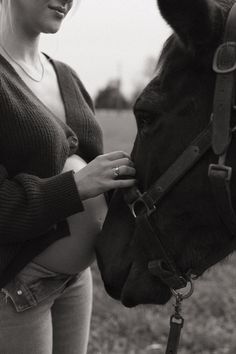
{"x": 34, "y": 284}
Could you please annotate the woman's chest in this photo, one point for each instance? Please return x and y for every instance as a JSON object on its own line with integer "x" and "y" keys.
{"x": 31, "y": 138}
{"x": 49, "y": 93}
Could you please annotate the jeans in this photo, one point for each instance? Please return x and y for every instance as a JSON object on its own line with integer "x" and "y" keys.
{"x": 43, "y": 312}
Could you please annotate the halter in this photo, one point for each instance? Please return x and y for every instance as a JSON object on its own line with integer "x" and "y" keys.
{"x": 217, "y": 135}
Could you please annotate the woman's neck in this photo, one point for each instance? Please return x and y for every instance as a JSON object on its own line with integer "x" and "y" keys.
{"x": 23, "y": 54}
{"x": 21, "y": 47}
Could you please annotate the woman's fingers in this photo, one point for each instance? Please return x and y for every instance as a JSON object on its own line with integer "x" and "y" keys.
{"x": 123, "y": 162}
{"x": 105, "y": 172}
{"x": 123, "y": 168}
{"x": 116, "y": 155}
{"x": 124, "y": 183}
{"x": 117, "y": 166}
{"x": 123, "y": 171}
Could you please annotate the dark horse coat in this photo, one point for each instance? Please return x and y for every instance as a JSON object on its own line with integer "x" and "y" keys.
{"x": 171, "y": 111}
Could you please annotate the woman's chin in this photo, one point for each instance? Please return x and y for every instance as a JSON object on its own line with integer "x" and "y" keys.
{"x": 51, "y": 27}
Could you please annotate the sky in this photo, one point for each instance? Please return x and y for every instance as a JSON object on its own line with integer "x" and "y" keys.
{"x": 106, "y": 39}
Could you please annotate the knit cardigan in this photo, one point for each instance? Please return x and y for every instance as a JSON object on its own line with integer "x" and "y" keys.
{"x": 35, "y": 198}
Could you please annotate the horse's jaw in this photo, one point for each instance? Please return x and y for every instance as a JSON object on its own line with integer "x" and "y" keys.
{"x": 139, "y": 287}
{"x": 123, "y": 262}
{"x": 143, "y": 288}
{"x": 135, "y": 287}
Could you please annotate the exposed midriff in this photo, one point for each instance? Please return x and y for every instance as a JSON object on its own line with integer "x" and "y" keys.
{"x": 74, "y": 253}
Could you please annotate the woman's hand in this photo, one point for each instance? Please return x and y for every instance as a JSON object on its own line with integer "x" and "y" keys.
{"x": 105, "y": 172}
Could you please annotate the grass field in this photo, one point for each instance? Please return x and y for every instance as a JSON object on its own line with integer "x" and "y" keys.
{"x": 119, "y": 129}
{"x": 210, "y": 314}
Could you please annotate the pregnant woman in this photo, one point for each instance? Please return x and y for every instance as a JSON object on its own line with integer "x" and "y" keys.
{"x": 52, "y": 179}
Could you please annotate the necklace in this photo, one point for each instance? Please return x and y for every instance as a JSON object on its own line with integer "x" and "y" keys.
{"x": 23, "y": 69}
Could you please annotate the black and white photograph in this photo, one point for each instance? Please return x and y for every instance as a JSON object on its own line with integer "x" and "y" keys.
{"x": 117, "y": 176}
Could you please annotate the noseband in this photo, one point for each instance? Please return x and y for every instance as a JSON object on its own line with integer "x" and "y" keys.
{"x": 217, "y": 135}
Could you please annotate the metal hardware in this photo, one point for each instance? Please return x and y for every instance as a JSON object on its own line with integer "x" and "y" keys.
{"x": 220, "y": 49}
{"x": 116, "y": 171}
{"x": 176, "y": 320}
{"x": 176, "y": 325}
{"x": 187, "y": 293}
{"x": 141, "y": 203}
{"x": 214, "y": 169}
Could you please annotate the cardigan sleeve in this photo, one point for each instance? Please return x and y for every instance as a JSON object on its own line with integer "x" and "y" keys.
{"x": 30, "y": 206}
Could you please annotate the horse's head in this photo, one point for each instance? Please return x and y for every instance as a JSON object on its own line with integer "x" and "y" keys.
{"x": 172, "y": 110}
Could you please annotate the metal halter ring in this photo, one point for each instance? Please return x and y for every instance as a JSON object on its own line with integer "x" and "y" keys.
{"x": 116, "y": 171}
{"x": 188, "y": 292}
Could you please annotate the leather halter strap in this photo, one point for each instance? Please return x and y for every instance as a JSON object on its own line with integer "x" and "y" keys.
{"x": 224, "y": 65}
{"x": 152, "y": 197}
{"x": 220, "y": 174}
{"x": 162, "y": 265}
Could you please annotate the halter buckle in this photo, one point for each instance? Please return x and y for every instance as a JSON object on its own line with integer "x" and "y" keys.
{"x": 140, "y": 203}
{"x": 217, "y": 171}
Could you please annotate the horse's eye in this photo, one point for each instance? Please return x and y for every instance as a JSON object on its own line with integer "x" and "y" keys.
{"x": 144, "y": 120}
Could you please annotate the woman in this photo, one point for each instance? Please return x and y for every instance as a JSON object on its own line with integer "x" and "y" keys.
{"x": 47, "y": 132}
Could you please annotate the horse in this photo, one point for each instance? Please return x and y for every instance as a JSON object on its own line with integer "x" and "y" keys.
{"x": 174, "y": 108}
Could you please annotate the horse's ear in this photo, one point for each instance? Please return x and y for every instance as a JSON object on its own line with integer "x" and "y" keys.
{"x": 197, "y": 24}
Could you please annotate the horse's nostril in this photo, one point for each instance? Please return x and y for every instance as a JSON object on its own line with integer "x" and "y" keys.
{"x": 164, "y": 266}
{"x": 158, "y": 267}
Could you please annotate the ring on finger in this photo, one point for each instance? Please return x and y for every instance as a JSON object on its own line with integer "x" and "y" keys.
{"x": 116, "y": 171}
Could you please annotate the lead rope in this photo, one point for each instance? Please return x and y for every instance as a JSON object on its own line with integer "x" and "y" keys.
{"x": 176, "y": 325}
{"x": 176, "y": 320}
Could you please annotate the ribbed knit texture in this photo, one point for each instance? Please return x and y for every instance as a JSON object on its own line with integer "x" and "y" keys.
{"x": 34, "y": 145}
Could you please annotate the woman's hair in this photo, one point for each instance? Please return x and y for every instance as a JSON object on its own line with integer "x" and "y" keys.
{"x": 5, "y": 14}
{"x": 75, "y": 6}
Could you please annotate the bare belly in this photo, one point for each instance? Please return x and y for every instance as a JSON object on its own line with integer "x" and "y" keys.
{"x": 74, "y": 253}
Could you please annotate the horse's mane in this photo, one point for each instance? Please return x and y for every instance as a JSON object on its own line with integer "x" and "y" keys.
{"x": 226, "y": 4}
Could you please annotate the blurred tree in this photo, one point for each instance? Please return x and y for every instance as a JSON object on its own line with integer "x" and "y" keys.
{"x": 111, "y": 97}
{"x": 144, "y": 77}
